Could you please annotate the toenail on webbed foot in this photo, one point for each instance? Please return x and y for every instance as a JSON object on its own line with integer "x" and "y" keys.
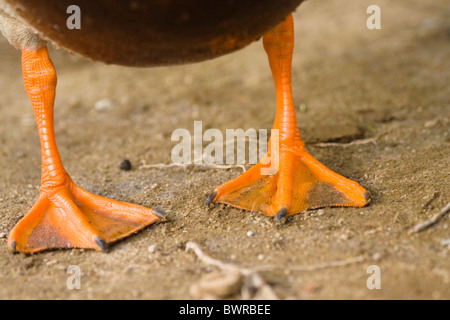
{"x": 367, "y": 196}
{"x": 211, "y": 198}
{"x": 102, "y": 244}
{"x": 159, "y": 213}
{"x": 13, "y": 246}
{"x": 281, "y": 215}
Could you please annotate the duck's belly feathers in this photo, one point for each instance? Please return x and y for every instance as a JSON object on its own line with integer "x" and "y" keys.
{"x": 153, "y": 32}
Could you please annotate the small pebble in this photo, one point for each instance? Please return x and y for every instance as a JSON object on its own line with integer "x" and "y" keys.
{"x": 125, "y": 165}
{"x": 152, "y": 248}
{"x": 376, "y": 256}
{"x": 129, "y": 269}
{"x": 303, "y": 108}
{"x": 431, "y": 123}
{"x": 217, "y": 285}
{"x": 104, "y": 105}
{"x": 260, "y": 257}
{"x": 310, "y": 288}
{"x": 51, "y": 263}
{"x": 343, "y": 236}
{"x": 2, "y": 235}
{"x": 250, "y": 233}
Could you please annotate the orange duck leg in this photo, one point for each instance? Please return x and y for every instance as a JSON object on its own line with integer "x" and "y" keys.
{"x": 66, "y": 216}
{"x": 299, "y": 181}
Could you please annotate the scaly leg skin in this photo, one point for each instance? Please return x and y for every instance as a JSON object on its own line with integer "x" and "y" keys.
{"x": 300, "y": 181}
{"x": 66, "y": 216}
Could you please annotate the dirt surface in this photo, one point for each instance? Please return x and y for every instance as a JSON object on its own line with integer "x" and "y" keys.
{"x": 390, "y": 86}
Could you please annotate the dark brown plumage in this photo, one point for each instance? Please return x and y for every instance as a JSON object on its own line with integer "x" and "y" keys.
{"x": 154, "y": 32}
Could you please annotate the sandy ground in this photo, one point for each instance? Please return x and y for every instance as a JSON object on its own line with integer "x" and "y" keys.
{"x": 389, "y": 85}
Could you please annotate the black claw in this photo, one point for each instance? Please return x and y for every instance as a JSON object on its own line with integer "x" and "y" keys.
{"x": 102, "y": 244}
{"x": 13, "y": 246}
{"x": 281, "y": 214}
{"x": 211, "y": 198}
{"x": 159, "y": 213}
{"x": 367, "y": 196}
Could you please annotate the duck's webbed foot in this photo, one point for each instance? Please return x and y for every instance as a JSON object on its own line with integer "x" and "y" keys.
{"x": 300, "y": 183}
{"x": 66, "y": 216}
{"x": 70, "y": 217}
{"x": 296, "y": 181}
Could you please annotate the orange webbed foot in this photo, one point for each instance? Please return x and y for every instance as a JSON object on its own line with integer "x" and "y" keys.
{"x": 300, "y": 183}
{"x": 66, "y": 216}
{"x": 70, "y": 217}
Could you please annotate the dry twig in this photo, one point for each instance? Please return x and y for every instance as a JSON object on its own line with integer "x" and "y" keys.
{"x": 332, "y": 264}
{"x": 208, "y": 165}
{"x": 252, "y": 285}
{"x": 253, "y": 281}
{"x": 433, "y": 220}
{"x": 345, "y": 145}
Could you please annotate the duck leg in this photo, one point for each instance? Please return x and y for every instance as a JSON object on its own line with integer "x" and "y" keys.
{"x": 66, "y": 216}
{"x": 299, "y": 181}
